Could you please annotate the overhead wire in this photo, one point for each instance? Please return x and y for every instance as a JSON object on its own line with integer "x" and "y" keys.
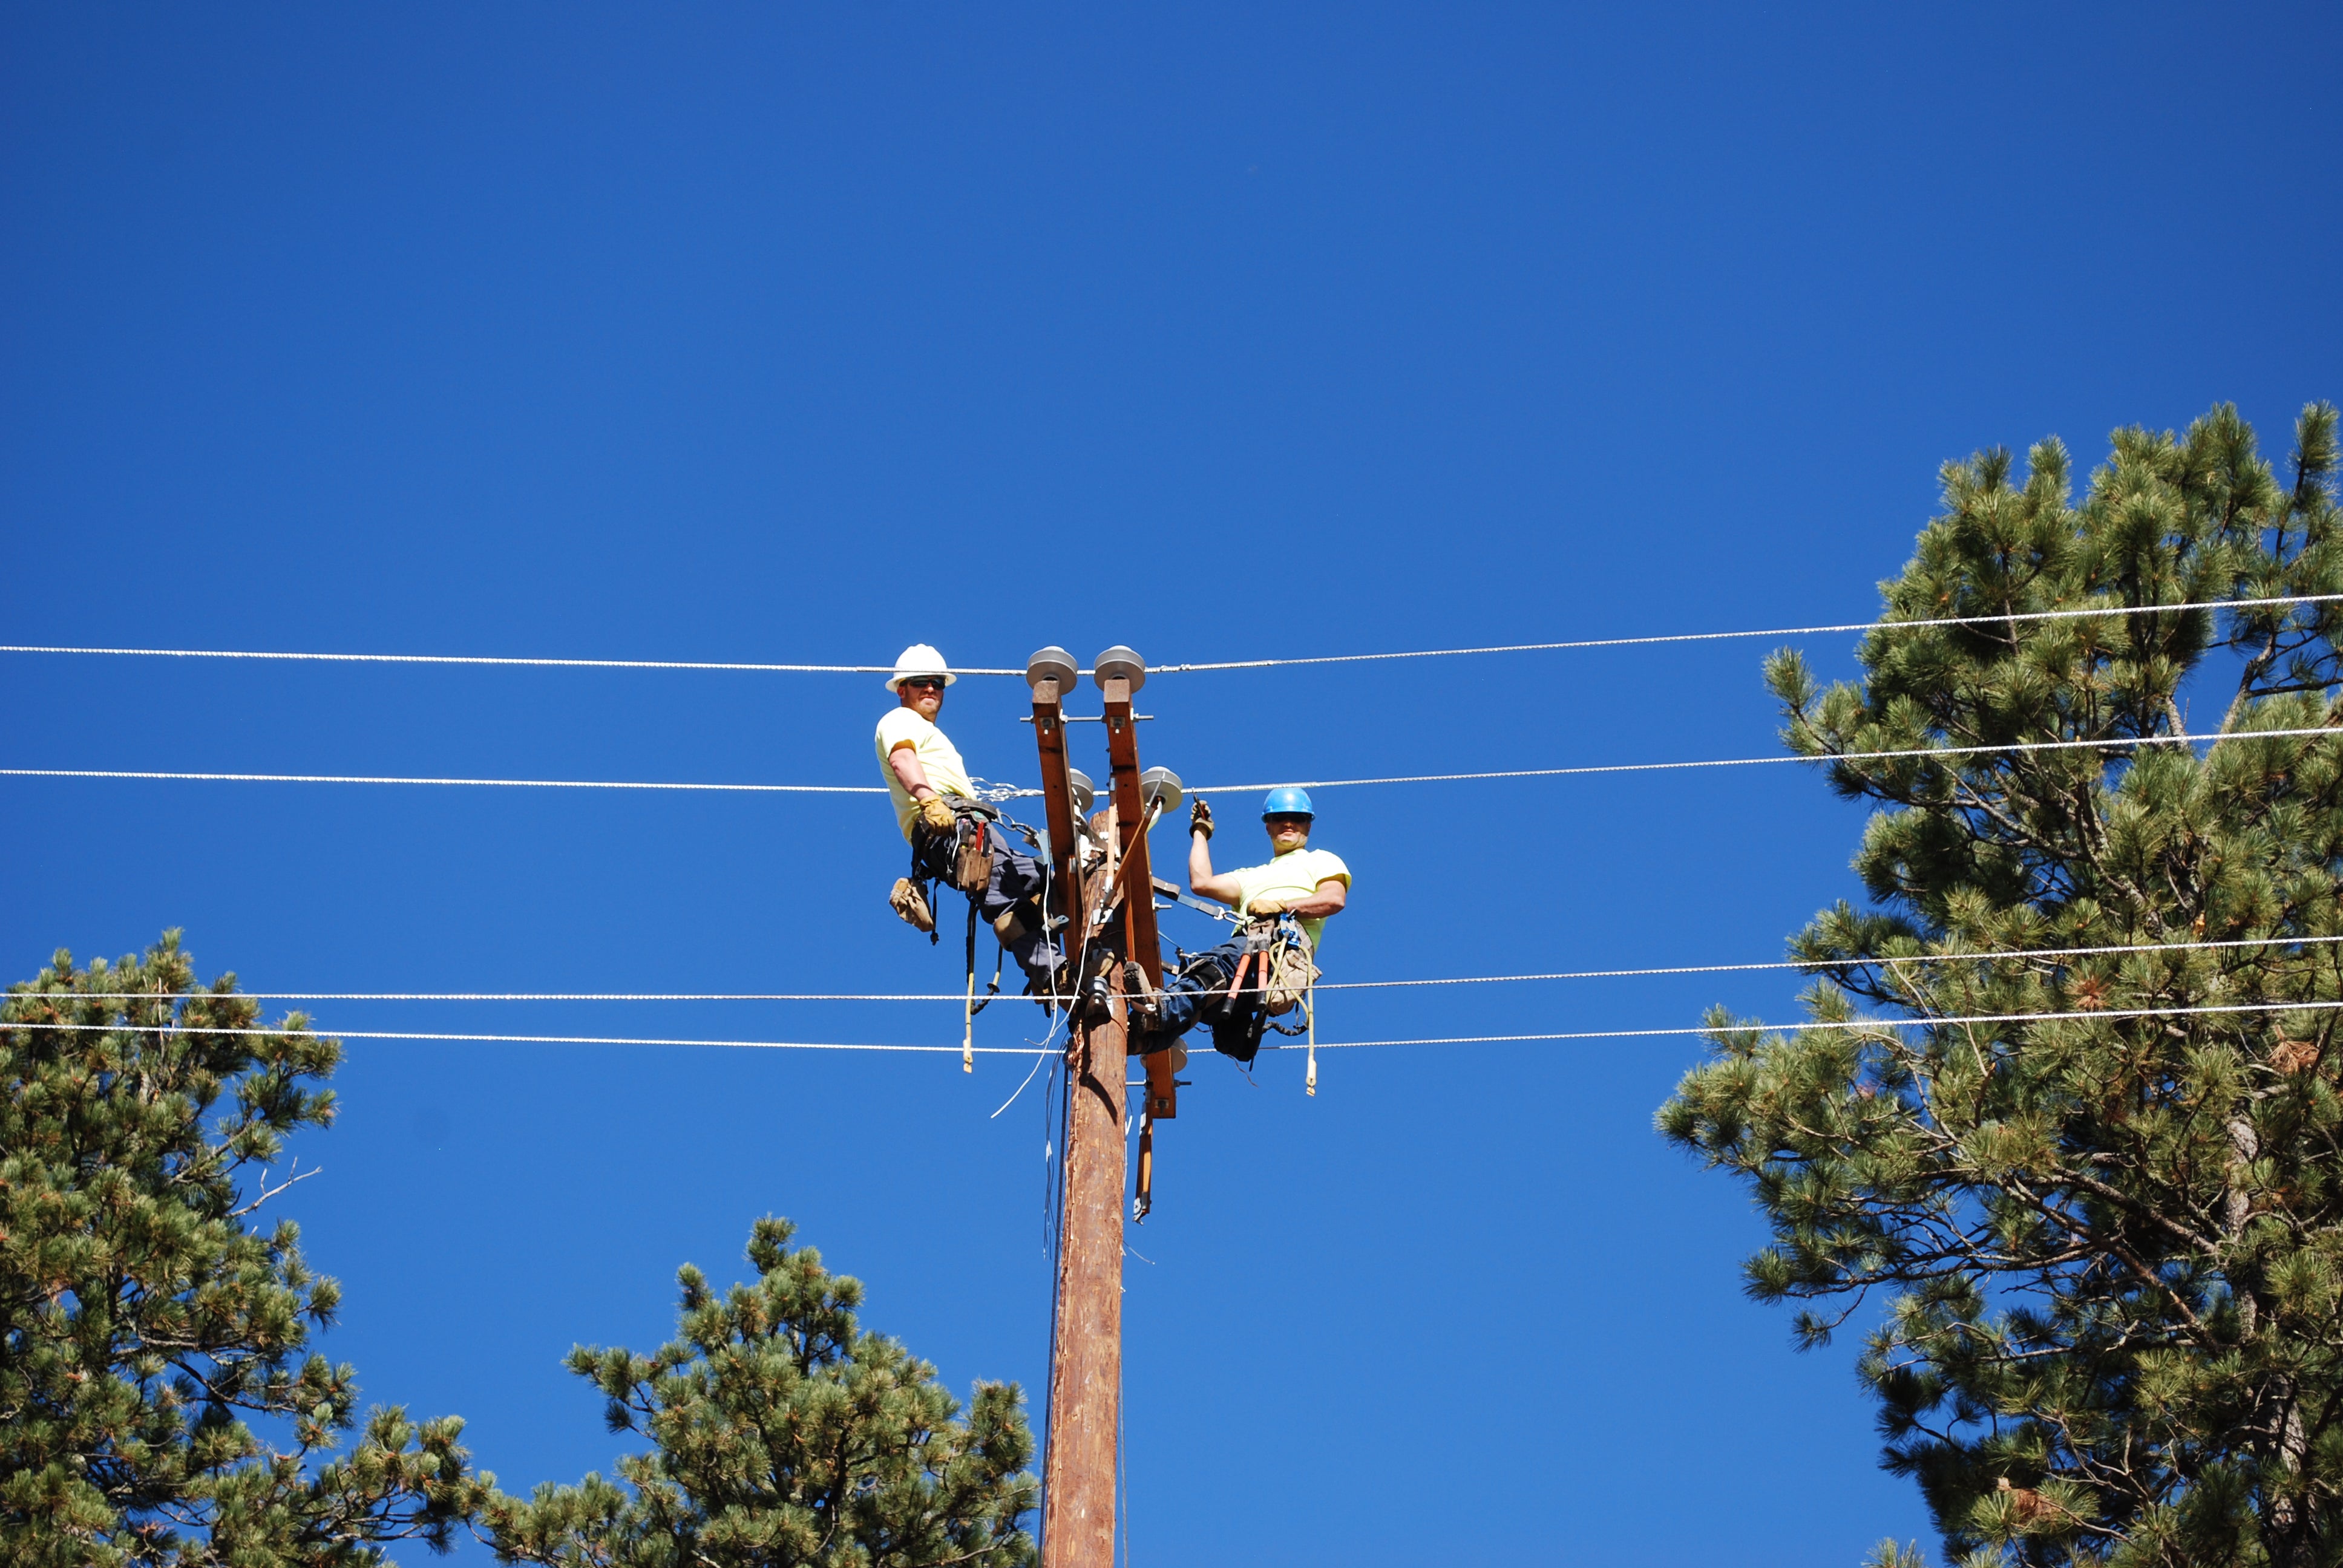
{"x": 460, "y": 658}
{"x": 1648, "y": 642}
{"x": 469, "y": 783}
{"x": 753, "y": 667}
{"x": 1004, "y": 792}
{"x": 1737, "y": 1025}
{"x": 2116, "y": 742}
{"x": 1740, "y": 1026}
{"x": 1654, "y": 971}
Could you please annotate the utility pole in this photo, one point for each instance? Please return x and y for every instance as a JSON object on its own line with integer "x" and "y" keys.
{"x": 1110, "y": 897}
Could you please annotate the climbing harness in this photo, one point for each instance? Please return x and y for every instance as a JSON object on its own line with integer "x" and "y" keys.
{"x": 966, "y": 865}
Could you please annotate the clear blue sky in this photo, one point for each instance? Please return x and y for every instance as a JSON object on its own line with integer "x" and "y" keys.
{"x": 800, "y": 333}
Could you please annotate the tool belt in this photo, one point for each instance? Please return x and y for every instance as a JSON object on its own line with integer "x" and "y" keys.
{"x": 1274, "y": 975}
{"x": 1287, "y": 967}
{"x": 967, "y": 865}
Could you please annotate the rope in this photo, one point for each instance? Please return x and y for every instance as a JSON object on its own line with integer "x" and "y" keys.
{"x": 2006, "y": 747}
{"x": 524, "y": 1038}
{"x": 475, "y": 783}
{"x": 761, "y": 669}
{"x": 1776, "y": 631}
{"x": 1735, "y": 1028}
{"x": 479, "y": 658}
{"x": 2014, "y": 746}
{"x": 1658, "y": 970}
{"x": 1854, "y": 1023}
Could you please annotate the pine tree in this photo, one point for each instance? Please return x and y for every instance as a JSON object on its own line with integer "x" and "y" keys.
{"x": 144, "y": 1325}
{"x": 784, "y": 1434}
{"x": 2108, "y": 1247}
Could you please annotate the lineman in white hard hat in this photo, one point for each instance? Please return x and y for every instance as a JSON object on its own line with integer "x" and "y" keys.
{"x": 956, "y": 837}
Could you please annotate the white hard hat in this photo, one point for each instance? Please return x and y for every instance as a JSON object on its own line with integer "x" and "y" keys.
{"x": 919, "y": 660}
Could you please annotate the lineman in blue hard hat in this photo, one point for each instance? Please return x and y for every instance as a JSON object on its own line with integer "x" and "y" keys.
{"x": 1297, "y": 881}
{"x": 956, "y": 839}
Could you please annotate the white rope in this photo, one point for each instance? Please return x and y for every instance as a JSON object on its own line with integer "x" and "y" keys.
{"x": 2014, "y": 746}
{"x": 1659, "y": 970}
{"x": 475, "y": 783}
{"x": 1774, "y": 631}
{"x": 1646, "y": 642}
{"x": 1737, "y": 1025}
{"x": 517, "y": 1038}
{"x": 2011, "y": 747}
{"x": 472, "y": 659}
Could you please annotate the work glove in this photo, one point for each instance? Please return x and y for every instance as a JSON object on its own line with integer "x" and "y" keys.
{"x": 1200, "y": 819}
{"x": 936, "y": 814}
{"x": 1262, "y": 909}
{"x": 906, "y": 901}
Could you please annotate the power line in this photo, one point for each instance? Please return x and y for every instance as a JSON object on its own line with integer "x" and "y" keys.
{"x": 2014, "y": 746}
{"x": 1773, "y": 631}
{"x": 1737, "y": 1027}
{"x": 957, "y": 998}
{"x": 767, "y": 668}
{"x": 1589, "y": 768}
{"x": 472, "y": 783}
{"x": 487, "y": 659}
{"x": 515, "y": 1039}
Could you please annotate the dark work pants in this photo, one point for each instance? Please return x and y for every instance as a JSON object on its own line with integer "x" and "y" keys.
{"x": 1199, "y": 981}
{"x": 1017, "y": 874}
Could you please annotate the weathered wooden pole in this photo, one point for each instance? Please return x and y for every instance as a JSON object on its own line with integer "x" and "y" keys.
{"x": 1086, "y": 1359}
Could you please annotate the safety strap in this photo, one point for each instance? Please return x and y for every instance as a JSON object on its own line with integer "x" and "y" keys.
{"x": 1309, "y": 1017}
{"x": 968, "y": 1035}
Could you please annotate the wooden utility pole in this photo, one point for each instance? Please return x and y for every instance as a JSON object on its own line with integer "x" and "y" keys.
{"x": 1110, "y": 900}
{"x": 1086, "y": 1360}
{"x": 1086, "y": 1352}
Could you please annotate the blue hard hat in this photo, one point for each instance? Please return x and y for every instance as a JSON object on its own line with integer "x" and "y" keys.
{"x": 1287, "y": 801}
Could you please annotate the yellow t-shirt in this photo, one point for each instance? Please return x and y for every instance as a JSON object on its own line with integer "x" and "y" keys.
{"x": 1291, "y": 878}
{"x": 936, "y": 755}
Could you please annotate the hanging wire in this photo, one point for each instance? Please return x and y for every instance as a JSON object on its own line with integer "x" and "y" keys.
{"x": 1005, "y": 792}
{"x": 468, "y": 783}
{"x": 1738, "y": 1026}
{"x": 2116, "y": 742}
{"x": 1659, "y": 970}
{"x": 1642, "y": 641}
{"x": 459, "y": 658}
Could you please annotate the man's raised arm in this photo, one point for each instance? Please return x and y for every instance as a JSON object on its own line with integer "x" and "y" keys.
{"x": 1200, "y": 881}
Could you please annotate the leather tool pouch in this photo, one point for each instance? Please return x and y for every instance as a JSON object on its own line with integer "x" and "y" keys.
{"x": 973, "y": 871}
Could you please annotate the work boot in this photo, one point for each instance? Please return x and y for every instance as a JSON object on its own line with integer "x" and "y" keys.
{"x": 1137, "y": 998}
{"x": 906, "y": 902}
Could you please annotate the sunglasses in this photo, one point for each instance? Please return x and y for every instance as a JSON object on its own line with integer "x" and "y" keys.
{"x": 923, "y": 684}
{"x": 1301, "y": 822}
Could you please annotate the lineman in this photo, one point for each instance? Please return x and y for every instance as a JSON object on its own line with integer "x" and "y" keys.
{"x": 948, "y": 828}
{"x": 1308, "y": 884}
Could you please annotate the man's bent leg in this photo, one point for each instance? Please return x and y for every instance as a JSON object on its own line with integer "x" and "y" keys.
{"x": 1198, "y": 983}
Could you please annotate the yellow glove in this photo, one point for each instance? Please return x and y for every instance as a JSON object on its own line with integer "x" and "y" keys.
{"x": 936, "y": 814}
{"x": 1260, "y": 908}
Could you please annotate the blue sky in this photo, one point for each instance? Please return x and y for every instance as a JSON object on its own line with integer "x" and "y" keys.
{"x": 798, "y": 334}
